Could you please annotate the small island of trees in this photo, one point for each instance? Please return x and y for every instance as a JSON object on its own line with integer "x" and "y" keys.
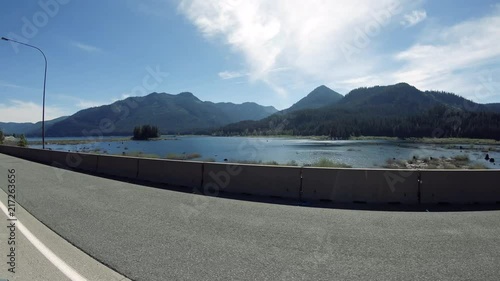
{"x": 146, "y": 132}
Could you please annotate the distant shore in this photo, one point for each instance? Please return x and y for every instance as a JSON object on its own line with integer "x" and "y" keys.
{"x": 443, "y": 141}
{"x": 93, "y": 140}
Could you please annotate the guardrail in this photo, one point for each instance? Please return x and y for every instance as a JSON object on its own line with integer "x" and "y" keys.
{"x": 300, "y": 183}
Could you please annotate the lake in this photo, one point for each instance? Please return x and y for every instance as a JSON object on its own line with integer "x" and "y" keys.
{"x": 357, "y": 153}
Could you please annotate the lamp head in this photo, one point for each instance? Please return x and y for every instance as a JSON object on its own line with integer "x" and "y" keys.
{"x": 3, "y": 38}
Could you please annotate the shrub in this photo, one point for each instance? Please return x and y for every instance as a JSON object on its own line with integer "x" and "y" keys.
{"x": 22, "y": 141}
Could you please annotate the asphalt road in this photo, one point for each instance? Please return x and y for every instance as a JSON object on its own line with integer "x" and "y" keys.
{"x": 152, "y": 234}
{"x": 38, "y": 252}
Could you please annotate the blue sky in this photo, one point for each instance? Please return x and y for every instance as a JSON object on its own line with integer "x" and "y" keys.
{"x": 269, "y": 52}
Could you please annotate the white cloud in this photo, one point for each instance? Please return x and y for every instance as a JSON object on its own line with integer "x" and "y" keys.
{"x": 122, "y": 97}
{"x": 83, "y": 104}
{"x": 231, "y": 74}
{"x": 414, "y": 18}
{"x": 22, "y": 111}
{"x": 458, "y": 58}
{"x": 86, "y": 47}
{"x": 305, "y": 36}
{"x": 9, "y": 85}
{"x": 345, "y": 44}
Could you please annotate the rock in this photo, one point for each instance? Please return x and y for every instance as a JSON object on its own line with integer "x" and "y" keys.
{"x": 492, "y": 160}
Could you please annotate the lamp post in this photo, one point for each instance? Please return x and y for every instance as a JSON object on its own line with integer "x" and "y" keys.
{"x": 44, "y": 83}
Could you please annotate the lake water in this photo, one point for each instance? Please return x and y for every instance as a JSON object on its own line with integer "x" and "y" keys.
{"x": 358, "y": 154}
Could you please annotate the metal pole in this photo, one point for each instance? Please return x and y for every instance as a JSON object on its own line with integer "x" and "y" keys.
{"x": 44, "y": 84}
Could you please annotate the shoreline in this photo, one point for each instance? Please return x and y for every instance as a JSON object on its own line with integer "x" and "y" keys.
{"x": 426, "y": 140}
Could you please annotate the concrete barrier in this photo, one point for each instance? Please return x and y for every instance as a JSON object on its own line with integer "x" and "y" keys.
{"x": 75, "y": 161}
{"x": 178, "y": 173}
{"x": 35, "y": 155}
{"x": 308, "y": 183}
{"x": 252, "y": 179}
{"x": 357, "y": 185}
{"x": 11, "y": 150}
{"x": 125, "y": 167}
{"x": 444, "y": 186}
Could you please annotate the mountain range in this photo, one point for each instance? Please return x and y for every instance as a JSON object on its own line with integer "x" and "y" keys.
{"x": 27, "y": 128}
{"x": 399, "y": 110}
{"x": 182, "y": 113}
{"x": 379, "y": 110}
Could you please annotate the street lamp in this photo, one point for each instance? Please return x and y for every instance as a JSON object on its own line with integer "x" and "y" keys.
{"x": 44, "y": 83}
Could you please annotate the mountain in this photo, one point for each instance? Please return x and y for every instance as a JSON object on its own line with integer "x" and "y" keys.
{"x": 15, "y": 128}
{"x": 245, "y": 111}
{"x": 495, "y": 107}
{"x": 182, "y": 113}
{"x": 29, "y": 129}
{"x": 404, "y": 99}
{"x": 396, "y": 110}
{"x": 319, "y": 97}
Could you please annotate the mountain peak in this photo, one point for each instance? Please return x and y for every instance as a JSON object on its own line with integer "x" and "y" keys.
{"x": 319, "y": 97}
{"x": 187, "y": 95}
{"x": 322, "y": 87}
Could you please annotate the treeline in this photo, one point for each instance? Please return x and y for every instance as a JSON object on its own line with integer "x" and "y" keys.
{"x": 146, "y": 132}
{"x": 439, "y": 122}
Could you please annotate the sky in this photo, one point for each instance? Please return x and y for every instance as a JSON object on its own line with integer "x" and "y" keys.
{"x": 268, "y": 52}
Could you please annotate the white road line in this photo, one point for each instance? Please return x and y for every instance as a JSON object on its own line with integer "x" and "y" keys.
{"x": 55, "y": 260}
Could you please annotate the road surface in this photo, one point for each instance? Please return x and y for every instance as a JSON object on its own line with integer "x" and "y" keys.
{"x": 40, "y": 254}
{"x": 147, "y": 233}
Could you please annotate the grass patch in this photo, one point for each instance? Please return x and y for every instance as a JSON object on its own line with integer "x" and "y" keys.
{"x": 327, "y": 163}
{"x": 373, "y": 138}
{"x": 462, "y": 158}
{"x": 478, "y": 167}
{"x": 139, "y": 154}
{"x": 272, "y": 163}
{"x": 449, "y": 166}
{"x": 456, "y": 162}
{"x": 452, "y": 141}
{"x": 183, "y": 156}
{"x": 253, "y": 162}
